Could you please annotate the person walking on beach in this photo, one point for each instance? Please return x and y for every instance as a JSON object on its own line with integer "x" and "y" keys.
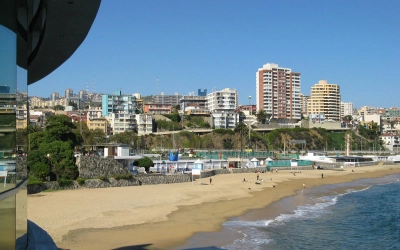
{"x": 210, "y": 180}
{"x": 258, "y": 177}
{"x": 322, "y": 175}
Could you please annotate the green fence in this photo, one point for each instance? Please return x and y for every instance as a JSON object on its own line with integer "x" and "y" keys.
{"x": 288, "y": 156}
{"x": 284, "y": 163}
{"x": 233, "y": 154}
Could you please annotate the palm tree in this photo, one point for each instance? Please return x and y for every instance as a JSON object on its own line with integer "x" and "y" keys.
{"x": 241, "y": 128}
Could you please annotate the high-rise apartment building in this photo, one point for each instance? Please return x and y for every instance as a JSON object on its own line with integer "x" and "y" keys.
{"x": 325, "y": 99}
{"x": 118, "y": 104}
{"x": 83, "y": 95}
{"x": 346, "y": 108}
{"x": 278, "y": 92}
{"x": 69, "y": 93}
{"x": 54, "y": 96}
{"x": 303, "y": 103}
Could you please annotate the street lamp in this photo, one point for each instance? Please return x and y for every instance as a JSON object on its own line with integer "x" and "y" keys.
{"x": 250, "y": 108}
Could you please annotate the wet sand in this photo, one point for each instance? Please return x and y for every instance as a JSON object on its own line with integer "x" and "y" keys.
{"x": 164, "y": 216}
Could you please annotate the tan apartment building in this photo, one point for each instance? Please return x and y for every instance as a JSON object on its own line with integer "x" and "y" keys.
{"x": 303, "y": 104}
{"x": 325, "y": 99}
{"x": 100, "y": 123}
{"x": 278, "y": 92}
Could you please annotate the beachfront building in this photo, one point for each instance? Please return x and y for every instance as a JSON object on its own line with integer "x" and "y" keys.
{"x": 278, "y": 92}
{"x": 118, "y": 104}
{"x": 325, "y": 99}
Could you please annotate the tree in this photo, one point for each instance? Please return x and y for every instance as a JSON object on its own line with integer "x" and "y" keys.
{"x": 61, "y": 159}
{"x": 93, "y": 137}
{"x": 262, "y": 116}
{"x": 347, "y": 119}
{"x": 60, "y": 127}
{"x": 59, "y": 107}
{"x": 32, "y": 128}
{"x": 73, "y": 104}
{"x": 145, "y": 162}
{"x": 241, "y": 128}
{"x": 126, "y": 137}
{"x": 56, "y": 143}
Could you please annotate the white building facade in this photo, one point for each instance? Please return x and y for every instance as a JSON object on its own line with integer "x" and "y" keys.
{"x": 222, "y": 106}
{"x": 121, "y": 122}
{"x": 346, "y": 108}
{"x": 144, "y": 124}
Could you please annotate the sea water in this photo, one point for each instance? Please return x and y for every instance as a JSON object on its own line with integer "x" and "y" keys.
{"x": 364, "y": 214}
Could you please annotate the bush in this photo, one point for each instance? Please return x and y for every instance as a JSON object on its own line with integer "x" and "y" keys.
{"x": 62, "y": 182}
{"x": 81, "y": 181}
{"x": 224, "y": 131}
{"x": 103, "y": 178}
{"x": 122, "y": 176}
{"x": 33, "y": 181}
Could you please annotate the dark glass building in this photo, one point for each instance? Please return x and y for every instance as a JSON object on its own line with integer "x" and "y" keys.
{"x": 36, "y": 36}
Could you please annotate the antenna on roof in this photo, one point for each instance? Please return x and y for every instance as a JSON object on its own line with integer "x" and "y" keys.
{"x": 87, "y": 86}
{"x": 157, "y": 85}
{"x": 94, "y": 84}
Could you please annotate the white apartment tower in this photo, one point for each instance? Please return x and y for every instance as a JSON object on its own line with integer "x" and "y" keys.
{"x": 223, "y": 100}
{"x": 54, "y": 96}
{"x": 69, "y": 93}
{"x": 222, "y": 106}
{"x": 325, "y": 99}
{"x": 278, "y": 92}
{"x": 346, "y": 108}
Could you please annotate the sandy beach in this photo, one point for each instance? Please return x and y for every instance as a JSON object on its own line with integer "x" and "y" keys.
{"x": 163, "y": 216}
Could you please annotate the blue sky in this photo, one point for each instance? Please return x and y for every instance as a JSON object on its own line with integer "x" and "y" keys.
{"x": 219, "y": 44}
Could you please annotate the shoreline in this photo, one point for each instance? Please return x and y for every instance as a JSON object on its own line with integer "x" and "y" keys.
{"x": 178, "y": 210}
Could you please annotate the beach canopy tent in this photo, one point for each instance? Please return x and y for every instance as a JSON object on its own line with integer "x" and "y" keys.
{"x": 254, "y": 161}
{"x": 250, "y": 164}
{"x": 199, "y": 165}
